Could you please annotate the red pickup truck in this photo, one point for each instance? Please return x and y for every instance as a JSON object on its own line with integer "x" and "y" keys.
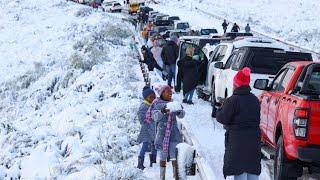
{"x": 290, "y": 119}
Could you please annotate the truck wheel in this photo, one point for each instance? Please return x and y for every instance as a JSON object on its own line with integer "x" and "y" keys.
{"x": 213, "y": 102}
{"x": 213, "y": 95}
{"x": 280, "y": 163}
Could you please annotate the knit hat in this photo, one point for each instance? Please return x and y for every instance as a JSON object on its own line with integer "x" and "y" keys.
{"x": 242, "y": 78}
{"x": 147, "y": 91}
{"x": 161, "y": 89}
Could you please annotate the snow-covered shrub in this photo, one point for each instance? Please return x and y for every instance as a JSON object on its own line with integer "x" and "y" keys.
{"x": 83, "y": 12}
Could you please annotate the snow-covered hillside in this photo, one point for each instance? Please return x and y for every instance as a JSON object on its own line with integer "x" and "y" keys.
{"x": 293, "y": 21}
{"x": 70, "y": 89}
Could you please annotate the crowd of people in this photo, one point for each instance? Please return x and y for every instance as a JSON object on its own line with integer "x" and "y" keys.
{"x": 159, "y": 132}
{"x": 239, "y": 114}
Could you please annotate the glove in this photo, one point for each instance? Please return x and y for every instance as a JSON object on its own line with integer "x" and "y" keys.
{"x": 164, "y": 110}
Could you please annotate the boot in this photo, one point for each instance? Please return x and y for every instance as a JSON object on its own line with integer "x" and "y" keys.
{"x": 162, "y": 170}
{"x": 140, "y": 163}
{"x": 150, "y": 157}
{"x": 175, "y": 170}
{"x": 153, "y": 159}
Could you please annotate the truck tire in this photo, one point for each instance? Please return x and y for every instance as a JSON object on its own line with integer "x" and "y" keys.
{"x": 213, "y": 101}
{"x": 213, "y": 95}
{"x": 280, "y": 163}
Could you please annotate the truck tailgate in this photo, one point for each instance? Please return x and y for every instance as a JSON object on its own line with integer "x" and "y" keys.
{"x": 314, "y": 123}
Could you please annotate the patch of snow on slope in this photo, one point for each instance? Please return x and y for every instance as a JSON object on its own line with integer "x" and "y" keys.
{"x": 69, "y": 94}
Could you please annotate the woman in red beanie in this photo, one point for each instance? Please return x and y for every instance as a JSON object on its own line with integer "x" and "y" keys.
{"x": 240, "y": 115}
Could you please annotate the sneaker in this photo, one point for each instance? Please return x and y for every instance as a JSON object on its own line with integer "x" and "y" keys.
{"x": 184, "y": 101}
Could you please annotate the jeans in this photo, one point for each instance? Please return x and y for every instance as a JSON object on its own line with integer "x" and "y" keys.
{"x": 188, "y": 95}
{"x": 146, "y": 148}
{"x": 246, "y": 176}
{"x": 171, "y": 69}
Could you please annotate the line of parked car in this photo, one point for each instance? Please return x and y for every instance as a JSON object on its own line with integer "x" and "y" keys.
{"x": 286, "y": 82}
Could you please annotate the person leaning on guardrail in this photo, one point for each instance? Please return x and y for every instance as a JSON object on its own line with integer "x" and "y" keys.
{"x": 240, "y": 115}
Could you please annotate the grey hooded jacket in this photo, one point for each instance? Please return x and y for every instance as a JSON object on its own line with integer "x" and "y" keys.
{"x": 161, "y": 121}
{"x": 147, "y": 131}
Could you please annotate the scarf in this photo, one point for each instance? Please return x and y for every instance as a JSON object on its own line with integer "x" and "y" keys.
{"x": 166, "y": 139}
{"x": 148, "y": 114}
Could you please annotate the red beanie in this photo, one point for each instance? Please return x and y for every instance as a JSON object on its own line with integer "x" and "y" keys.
{"x": 242, "y": 78}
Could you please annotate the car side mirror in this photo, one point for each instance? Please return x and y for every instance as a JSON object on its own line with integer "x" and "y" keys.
{"x": 261, "y": 84}
{"x": 218, "y": 65}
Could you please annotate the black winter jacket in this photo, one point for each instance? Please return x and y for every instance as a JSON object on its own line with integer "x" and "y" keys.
{"x": 150, "y": 61}
{"x": 189, "y": 73}
{"x": 170, "y": 53}
{"x": 240, "y": 115}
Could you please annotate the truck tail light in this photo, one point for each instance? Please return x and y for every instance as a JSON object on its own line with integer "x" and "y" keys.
{"x": 300, "y": 122}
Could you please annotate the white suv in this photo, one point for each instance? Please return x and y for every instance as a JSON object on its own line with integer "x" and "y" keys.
{"x": 264, "y": 57}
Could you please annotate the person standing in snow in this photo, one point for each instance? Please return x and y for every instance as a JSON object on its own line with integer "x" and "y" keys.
{"x": 149, "y": 59}
{"x": 189, "y": 73}
{"x": 144, "y": 34}
{"x": 169, "y": 54}
{"x": 235, "y": 28}
{"x": 225, "y": 26}
{"x": 247, "y": 28}
{"x": 168, "y": 135}
{"x": 147, "y": 131}
{"x": 156, "y": 51}
{"x": 240, "y": 115}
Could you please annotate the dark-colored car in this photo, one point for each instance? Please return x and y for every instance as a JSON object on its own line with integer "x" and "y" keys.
{"x": 173, "y": 18}
{"x": 207, "y": 32}
{"x": 233, "y": 35}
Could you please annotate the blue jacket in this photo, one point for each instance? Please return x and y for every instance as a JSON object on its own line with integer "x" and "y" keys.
{"x": 161, "y": 121}
{"x": 147, "y": 131}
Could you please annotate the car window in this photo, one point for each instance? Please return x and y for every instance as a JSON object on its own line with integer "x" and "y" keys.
{"x": 214, "y": 54}
{"x": 230, "y": 60}
{"x": 286, "y": 80}
{"x": 314, "y": 83}
{"x": 182, "y": 25}
{"x": 221, "y": 52}
{"x": 276, "y": 84}
{"x": 237, "y": 62}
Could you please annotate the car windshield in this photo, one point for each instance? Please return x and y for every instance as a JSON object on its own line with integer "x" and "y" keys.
{"x": 117, "y": 4}
{"x": 208, "y": 31}
{"x": 182, "y": 25}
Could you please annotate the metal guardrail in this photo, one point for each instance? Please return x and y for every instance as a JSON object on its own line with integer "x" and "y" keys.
{"x": 291, "y": 46}
{"x": 201, "y": 170}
